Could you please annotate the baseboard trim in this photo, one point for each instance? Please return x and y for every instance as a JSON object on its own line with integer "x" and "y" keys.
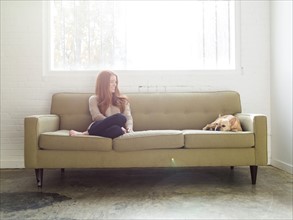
{"x": 282, "y": 165}
{"x": 7, "y": 164}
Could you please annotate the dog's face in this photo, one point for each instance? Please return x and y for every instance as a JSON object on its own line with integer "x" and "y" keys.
{"x": 224, "y": 123}
{"x": 219, "y": 125}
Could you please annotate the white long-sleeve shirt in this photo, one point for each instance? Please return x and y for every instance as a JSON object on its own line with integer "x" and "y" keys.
{"x": 111, "y": 110}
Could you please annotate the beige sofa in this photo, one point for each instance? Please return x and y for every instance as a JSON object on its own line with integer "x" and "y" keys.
{"x": 168, "y": 133}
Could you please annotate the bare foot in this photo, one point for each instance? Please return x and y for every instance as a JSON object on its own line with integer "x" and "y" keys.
{"x": 75, "y": 133}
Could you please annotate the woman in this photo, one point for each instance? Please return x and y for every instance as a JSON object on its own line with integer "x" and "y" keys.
{"x": 110, "y": 111}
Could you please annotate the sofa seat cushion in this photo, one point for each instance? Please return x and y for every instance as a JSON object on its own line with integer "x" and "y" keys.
{"x": 150, "y": 139}
{"x": 218, "y": 139}
{"x": 60, "y": 140}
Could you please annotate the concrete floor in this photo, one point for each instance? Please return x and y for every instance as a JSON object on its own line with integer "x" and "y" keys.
{"x": 190, "y": 193}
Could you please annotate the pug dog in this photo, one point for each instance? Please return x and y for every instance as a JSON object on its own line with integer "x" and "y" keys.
{"x": 224, "y": 123}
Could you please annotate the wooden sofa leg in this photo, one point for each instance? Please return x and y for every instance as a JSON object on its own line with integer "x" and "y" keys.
{"x": 62, "y": 172}
{"x": 253, "y": 173}
{"x": 39, "y": 177}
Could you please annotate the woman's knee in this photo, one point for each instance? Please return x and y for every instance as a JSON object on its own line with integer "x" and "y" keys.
{"x": 121, "y": 119}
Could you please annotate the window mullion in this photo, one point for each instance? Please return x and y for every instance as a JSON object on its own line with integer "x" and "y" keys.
{"x": 89, "y": 34}
{"x": 216, "y": 32}
{"x": 229, "y": 29}
{"x": 203, "y": 32}
{"x": 63, "y": 33}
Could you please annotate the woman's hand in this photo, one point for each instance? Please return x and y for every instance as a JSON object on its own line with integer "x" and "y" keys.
{"x": 129, "y": 130}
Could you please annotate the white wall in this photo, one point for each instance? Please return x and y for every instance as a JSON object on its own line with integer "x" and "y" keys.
{"x": 26, "y": 91}
{"x": 281, "y": 84}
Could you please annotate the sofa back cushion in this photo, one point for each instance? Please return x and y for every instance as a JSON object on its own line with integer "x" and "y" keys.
{"x": 73, "y": 110}
{"x": 152, "y": 111}
{"x": 192, "y": 110}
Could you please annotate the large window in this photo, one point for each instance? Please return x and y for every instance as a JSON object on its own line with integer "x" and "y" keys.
{"x": 141, "y": 35}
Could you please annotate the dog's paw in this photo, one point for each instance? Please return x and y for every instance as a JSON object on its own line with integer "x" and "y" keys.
{"x": 207, "y": 127}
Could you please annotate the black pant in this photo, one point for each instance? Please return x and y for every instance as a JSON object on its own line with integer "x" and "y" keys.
{"x": 109, "y": 127}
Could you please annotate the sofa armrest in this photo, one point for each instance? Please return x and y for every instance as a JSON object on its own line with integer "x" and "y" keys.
{"x": 33, "y": 126}
{"x": 256, "y": 123}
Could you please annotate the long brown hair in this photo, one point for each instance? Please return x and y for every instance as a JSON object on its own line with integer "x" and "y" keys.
{"x": 105, "y": 96}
